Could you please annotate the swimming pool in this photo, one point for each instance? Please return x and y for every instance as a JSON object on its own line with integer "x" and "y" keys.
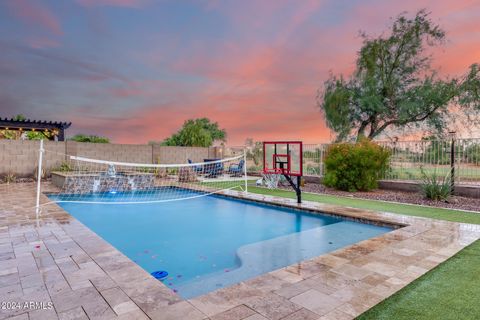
{"x": 211, "y": 242}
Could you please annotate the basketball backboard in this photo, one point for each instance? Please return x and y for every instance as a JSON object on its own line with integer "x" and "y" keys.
{"x": 283, "y": 157}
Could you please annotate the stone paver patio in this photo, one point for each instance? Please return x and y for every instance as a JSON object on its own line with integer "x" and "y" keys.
{"x": 71, "y": 273}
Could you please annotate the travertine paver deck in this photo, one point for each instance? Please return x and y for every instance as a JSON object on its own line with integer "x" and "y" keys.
{"x": 60, "y": 261}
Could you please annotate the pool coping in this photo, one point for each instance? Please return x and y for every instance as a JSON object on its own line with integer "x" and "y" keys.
{"x": 306, "y": 207}
{"x": 58, "y": 259}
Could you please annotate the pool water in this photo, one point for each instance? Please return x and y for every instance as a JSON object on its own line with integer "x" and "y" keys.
{"x": 210, "y": 242}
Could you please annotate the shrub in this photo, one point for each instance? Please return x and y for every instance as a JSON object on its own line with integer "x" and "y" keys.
{"x": 434, "y": 188}
{"x": 355, "y": 167}
{"x": 89, "y": 138}
{"x": 42, "y": 174}
{"x": 172, "y": 171}
{"x": 9, "y": 134}
{"x": 38, "y": 135}
{"x": 10, "y": 178}
{"x": 64, "y": 167}
{"x": 160, "y": 172}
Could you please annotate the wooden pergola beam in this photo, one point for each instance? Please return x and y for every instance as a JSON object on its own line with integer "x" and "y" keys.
{"x": 32, "y": 125}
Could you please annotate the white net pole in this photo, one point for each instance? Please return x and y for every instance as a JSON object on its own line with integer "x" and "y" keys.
{"x": 39, "y": 178}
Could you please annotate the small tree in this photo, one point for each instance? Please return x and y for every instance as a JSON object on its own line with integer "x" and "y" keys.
{"x": 196, "y": 133}
{"x": 89, "y": 138}
{"x": 393, "y": 85}
{"x": 20, "y": 117}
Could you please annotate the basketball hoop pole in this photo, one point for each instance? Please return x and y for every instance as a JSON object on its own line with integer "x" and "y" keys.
{"x": 299, "y": 191}
{"x": 295, "y": 187}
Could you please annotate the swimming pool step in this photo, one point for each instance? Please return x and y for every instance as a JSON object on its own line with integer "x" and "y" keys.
{"x": 265, "y": 256}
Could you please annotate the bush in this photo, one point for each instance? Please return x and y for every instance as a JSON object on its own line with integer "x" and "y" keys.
{"x": 64, "y": 167}
{"x": 43, "y": 173}
{"x": 89, "y": 138}
{"x": 434, "y": 188}
{"x": 10, "y": 178}
{"x": 355, "y": 167}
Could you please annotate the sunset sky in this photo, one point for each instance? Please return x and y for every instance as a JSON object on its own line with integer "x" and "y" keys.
{"x": 134, "y": 70}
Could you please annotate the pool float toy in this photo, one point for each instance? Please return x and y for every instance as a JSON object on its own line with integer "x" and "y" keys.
{"x": 159, "y": 274}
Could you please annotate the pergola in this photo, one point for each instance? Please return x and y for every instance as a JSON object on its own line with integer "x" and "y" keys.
{"x": 53, "y": 130}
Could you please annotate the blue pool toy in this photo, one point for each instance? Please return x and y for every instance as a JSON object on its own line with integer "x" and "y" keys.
{"x": 159, "y": 274}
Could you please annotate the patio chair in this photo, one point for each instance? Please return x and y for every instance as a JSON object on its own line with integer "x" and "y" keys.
{"x": 196, "y": 169}
{"x": 236, "y": 170}
{"x": 213, "y": 170}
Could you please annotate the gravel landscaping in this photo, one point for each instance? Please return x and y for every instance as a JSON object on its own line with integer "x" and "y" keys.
{"x": 454, "y": 202}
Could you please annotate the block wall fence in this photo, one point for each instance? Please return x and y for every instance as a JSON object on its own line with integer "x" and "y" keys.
{"x": 20, "y": 157}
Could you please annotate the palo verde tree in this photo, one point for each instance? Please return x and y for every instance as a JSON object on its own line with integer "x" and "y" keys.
{"x": 394, "y": 86}
{"x": 196, "y": 133}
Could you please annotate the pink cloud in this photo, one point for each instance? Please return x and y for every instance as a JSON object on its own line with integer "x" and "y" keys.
{"x": 113, "y": 3}
{"x": 243, "y": 110}
{"x": 260, "y": 86}
{"x": 42, "y": 43}
{"x": 32, "y": 12}
{"x": 267, "y": 90}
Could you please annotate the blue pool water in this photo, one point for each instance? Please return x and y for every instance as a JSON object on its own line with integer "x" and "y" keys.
{"x": 210, "y": 242}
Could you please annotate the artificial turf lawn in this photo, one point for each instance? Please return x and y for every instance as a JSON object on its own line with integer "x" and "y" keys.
{"x": 410, "y": 210}
{"x": 450, "y": 291}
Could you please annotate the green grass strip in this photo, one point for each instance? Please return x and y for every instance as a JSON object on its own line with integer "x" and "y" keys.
{"x": 450, "y": 291}
{"x": 410, "y": 210}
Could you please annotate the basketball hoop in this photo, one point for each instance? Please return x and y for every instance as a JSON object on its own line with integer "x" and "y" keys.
{"x": 283, "y": 158}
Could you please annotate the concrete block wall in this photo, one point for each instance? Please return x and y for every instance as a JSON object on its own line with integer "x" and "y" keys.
{"x": 135, "y": 153}
{"x": 20, "y": 157}
{"x": 53, "y": 157}
{"x": 162, "y": 154}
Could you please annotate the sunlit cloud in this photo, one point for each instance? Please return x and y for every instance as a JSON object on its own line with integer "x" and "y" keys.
{"x": 113, "y": 3}
{"x": 34, "y": 14}
{"x": 253, "y": 66}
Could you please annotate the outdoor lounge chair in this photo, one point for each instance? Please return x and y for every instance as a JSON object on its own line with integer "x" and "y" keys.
{"x": 214, "y": 169}
{"x": 236, "y": 170}
{"x": 196, "y": 169}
